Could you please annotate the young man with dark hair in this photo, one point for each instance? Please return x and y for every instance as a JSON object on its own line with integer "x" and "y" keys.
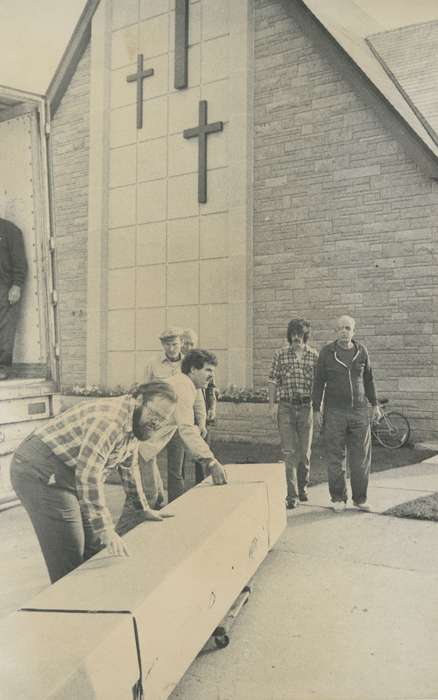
{"x": 59, "y": 471}
{"x": 197, "y": 369}
{"x": 291, "y": 380}
{"x": 203, "y": 418}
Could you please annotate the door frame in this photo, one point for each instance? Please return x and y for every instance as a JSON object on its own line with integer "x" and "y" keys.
{"x": 23, "y": 103}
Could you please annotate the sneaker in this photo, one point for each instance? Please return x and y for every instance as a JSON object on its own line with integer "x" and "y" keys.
{"x": 339, "y": 506}
{"x": 303, "y": 497}
{"x": 291, "y": 503}
{"x": 362, "y": 506}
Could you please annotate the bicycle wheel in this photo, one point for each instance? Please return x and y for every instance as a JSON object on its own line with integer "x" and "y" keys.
{"x": 392, "y": 430}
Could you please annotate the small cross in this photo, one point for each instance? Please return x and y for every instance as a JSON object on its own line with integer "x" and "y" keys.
{"x": 202, "y": 130}
{"x": 138, "y": 78}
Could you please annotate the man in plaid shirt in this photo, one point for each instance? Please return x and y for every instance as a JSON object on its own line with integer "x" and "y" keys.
{"x": 291, "y": 381}
{"x": 59, "y": 471}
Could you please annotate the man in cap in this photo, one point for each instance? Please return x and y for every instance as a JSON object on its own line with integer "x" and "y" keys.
{"x": 162, "y": 368}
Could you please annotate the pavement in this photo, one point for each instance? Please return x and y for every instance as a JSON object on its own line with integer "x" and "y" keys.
{"x": 345, "y": 607}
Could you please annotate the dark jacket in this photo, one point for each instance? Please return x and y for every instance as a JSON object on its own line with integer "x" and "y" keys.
{"x": 13, "y": 266}
{"x": 345, "y": 388}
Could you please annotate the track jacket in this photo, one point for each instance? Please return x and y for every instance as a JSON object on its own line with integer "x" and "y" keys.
{"x": 345, "y": 388}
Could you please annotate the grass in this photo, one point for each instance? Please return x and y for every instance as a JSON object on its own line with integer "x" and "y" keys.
{"x": 423, "y": 508}
{"x": 382, "y": 458}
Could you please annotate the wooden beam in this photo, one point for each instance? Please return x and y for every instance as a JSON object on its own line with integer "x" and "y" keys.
{"x": 181, "y": 44}
{"x": 117, "y": 624}
{"x": 71, "y": 57}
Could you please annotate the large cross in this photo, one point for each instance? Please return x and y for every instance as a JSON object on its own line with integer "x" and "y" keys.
{"x": 138, "y": 78}
{"x": 201, "y": 131}
{"x": 181, "y": 43}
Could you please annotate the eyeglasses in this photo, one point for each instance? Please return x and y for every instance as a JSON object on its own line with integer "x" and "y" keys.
{"x": 156, "y": 418}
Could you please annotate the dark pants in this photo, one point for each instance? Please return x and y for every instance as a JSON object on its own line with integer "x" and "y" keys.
{"x": 200, "y": 471}
{"x": 295, "y": 424}
{"x": 347, "y": 434}
{"x": 8, "y": 325}
{"x": 66, "y": 540}
{"x": 175, "y": 467}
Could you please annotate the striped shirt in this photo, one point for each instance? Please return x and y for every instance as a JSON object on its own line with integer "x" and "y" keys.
{"x": 93, "y": 438}
{"x": 293, "y": 376}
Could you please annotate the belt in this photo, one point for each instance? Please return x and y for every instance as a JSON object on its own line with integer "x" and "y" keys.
{"x": 299, "y": 400}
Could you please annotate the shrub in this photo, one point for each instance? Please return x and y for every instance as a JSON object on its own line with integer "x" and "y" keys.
{"x": 236, "y": 394}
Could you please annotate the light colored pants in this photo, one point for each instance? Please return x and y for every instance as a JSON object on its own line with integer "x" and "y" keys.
{"x": 295, "y": 425}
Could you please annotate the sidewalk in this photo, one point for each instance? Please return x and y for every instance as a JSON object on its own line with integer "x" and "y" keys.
{"x": 344, "y": 608}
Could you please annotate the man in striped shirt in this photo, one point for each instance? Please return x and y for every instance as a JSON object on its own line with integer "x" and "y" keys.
{"x": 59, "y": 471}
{"x": 291, "y": 381}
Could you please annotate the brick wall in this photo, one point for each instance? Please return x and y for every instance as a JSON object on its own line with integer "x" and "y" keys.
{"x": 344, "y": 222}
{"x": 70, "y": 153}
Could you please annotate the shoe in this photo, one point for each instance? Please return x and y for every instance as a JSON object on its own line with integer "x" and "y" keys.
{"x": 339, "y": 506}
{"x": 3, "y": 375}
{"x": 303, "y": 497}
{"x": 362, "y": 506}
{"x": 291, "y": 503}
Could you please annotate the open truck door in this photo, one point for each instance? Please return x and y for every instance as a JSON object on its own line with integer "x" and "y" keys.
{"x": 27, "y": 396}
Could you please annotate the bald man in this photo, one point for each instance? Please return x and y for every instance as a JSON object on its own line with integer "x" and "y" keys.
{"x": 345, "y": 378}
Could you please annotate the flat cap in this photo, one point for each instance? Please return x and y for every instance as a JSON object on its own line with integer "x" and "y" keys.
{"x": 173, "y": 332}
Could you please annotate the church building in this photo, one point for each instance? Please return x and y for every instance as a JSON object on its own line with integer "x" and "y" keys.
{"x": 227, "y": 166}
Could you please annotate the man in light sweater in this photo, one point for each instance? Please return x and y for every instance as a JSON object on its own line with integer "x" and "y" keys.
{"x": 197, "y": 369}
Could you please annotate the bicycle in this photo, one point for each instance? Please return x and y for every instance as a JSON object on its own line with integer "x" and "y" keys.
{"x": 392, "y": 430}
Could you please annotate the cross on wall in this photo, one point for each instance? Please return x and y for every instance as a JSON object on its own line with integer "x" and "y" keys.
{"x": 138, "y": 78}
{"x": 202, "y": 131}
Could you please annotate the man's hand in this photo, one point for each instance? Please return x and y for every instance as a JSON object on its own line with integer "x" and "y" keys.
{"x": 114, "y": 544}
{"x": 203, "y": 430}
{"x": 156, "y": 516}
{"x": 218, "y": 473}
{"x": 273, "y": 409}
{"x": 14, "y": 294}
{"x": 376, "y": 414}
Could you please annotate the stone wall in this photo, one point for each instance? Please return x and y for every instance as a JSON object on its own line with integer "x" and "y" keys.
{"x": 171, "y": 259}
{"x": 344, "y": 221}
{"x": 70, "y": 154}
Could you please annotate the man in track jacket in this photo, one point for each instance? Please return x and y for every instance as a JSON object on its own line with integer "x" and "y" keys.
{"x": 345, "y": 379}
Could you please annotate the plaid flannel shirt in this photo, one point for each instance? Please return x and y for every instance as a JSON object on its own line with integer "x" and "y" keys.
{"x": 93, "y": 438}
{"x": 292, "y": 376}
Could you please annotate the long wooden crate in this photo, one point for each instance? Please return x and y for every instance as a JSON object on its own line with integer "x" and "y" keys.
{"x": 116, "y": 625}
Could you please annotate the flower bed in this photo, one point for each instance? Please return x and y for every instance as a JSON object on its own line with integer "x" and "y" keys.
{"x": 242, "y": 414}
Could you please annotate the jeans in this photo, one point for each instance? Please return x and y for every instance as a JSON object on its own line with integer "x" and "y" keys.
{"x": 295, "y": 424}
{"x": 66, "y": 540}
{"x": 348, "y": 434}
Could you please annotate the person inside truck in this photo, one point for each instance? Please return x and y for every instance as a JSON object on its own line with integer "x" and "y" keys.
{"x": 13, "y": 269}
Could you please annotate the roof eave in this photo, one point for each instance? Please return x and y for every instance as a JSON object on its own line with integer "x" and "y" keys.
{"x": 71, "y": 57}
{"x": 417, "y": 149}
